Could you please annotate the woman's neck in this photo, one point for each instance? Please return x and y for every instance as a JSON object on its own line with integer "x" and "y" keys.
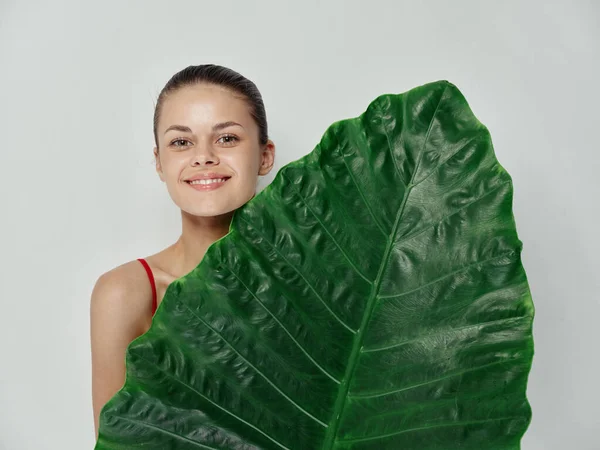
{"x": 198, "y": 233}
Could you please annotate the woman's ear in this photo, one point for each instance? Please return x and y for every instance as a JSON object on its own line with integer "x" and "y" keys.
{"x": 158, "y": 166}
{"x": 267, "y": 158}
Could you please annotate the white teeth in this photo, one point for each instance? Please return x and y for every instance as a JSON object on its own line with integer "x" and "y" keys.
{"x": 214, "y": 180}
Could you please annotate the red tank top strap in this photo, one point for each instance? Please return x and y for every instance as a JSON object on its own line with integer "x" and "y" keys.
{"x": 152, "y": 283}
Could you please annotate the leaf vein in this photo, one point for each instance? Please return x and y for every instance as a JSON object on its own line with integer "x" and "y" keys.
{"x": 191, "y": 388}
{"x": 356, "y": 269}
{"x": 387, "y": 137}
{"x": 322, "y": 369}
{"x": 451, "y": 330}
{"x": 425, "y": 383}
{"x": 452, "y": 424}
{"x": 362, "y": 196}
{"x": 256, "y": 369}
{"x": 408, "y": 237}
{"x": 447, "y": 159}
{"x": 170, "y": 433}
{"x": 344, "y": 324}
{"x": 462, "y": 269}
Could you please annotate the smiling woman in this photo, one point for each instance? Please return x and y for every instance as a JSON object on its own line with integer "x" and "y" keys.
{"x": 211, "y": 145}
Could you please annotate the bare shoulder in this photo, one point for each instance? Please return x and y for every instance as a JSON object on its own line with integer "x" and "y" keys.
{"x": 123, "y": 294}
{"x": 120, "y": 311}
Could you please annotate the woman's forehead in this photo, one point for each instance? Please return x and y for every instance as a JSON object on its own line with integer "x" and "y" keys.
{"x": 204, "y": 104}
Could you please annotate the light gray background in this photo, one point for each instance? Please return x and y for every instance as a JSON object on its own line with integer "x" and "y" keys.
{"x": 78, "y": 80}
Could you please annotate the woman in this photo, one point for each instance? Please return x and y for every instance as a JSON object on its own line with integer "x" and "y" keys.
{"x": 211, "y": 144}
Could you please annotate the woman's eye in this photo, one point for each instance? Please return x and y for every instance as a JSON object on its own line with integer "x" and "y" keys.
{"x": 177, "y": 142}
{"x": 229, "y": 138}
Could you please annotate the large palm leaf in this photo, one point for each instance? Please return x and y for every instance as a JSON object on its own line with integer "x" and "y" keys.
{"x": 372, "y": 297}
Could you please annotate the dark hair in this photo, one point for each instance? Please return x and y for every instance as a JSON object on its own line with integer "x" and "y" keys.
{"x": 221, "y": 76}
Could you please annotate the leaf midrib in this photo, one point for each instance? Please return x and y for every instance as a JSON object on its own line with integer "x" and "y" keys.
{"x": 330, "y": 437}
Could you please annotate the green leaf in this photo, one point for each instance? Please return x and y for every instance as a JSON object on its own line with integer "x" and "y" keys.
{"x": 371, "y": 297}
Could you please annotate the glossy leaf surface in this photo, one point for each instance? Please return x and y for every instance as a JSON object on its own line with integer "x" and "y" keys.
{"x": 371, "y": 297}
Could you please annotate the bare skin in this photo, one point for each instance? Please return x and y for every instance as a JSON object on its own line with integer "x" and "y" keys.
{"x": 121, "y": 301}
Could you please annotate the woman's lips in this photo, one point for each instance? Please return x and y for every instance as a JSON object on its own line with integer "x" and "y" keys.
{"x": 207, "y": 187}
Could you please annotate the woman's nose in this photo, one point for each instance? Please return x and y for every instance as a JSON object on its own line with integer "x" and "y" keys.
{"x": 204, "y": 152}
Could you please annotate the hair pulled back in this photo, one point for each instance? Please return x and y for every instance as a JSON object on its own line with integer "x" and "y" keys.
{"x": 221, "y": 76}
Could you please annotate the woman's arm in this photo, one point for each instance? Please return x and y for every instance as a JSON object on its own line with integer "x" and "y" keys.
{"x": 118, "y": 314}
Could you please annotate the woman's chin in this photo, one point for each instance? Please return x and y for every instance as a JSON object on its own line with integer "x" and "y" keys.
{"x": 209, "y": 210}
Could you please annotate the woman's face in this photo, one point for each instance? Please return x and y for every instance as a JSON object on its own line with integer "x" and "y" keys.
{"x": 205, "y": 128}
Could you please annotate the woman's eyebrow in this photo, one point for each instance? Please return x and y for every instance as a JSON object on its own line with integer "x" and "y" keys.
{"x": 222, "y": 125}
{"x": 178, "y": 128}
{"x": 216, "y": 127}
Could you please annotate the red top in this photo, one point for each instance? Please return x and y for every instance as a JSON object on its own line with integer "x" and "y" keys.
{"x": 149, "y": 272}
